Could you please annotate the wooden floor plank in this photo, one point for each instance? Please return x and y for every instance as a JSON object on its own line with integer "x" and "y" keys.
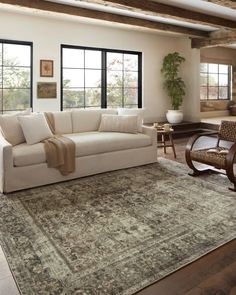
{"x": 8, "y": 287}
{"x": 195, "y": 291}
{"x": 223, "y": 281}
{"x": 4, "y": 270}
{"x": 213, "y": 274}
{"x": 197, "y": 272}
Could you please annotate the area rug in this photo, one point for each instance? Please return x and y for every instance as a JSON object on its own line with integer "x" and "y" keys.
{"x": 116, "y": 232}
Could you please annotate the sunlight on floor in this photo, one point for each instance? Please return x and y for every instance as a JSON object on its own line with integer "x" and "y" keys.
{"x": 217, "y": 120}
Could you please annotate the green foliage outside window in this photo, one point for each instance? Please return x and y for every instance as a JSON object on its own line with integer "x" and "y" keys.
{"x": 121, "y": 79}
{"x": 15, "y": 80}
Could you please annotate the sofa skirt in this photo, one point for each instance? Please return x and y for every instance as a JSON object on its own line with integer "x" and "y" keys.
{"x": 18, "y": 178}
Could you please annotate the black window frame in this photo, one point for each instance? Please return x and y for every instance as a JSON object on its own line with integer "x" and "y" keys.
{"x": 17, "y": 42}
{"x": 104, "y": 52}
{"x": 229, "y": 94}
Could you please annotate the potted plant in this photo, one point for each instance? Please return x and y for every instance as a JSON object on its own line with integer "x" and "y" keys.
{"x": 174, "y": 85}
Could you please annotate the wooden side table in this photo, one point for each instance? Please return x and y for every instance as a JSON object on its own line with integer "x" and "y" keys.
{"x": 166, "y": 143}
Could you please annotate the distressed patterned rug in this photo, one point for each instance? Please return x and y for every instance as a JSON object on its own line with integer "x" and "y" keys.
{"x": 114, "y": 233}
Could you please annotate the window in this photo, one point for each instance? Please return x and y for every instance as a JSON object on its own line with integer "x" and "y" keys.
{"x": 215, "y": 81}
{"x": 15, "y": 76}
{"x": 94, "y": 78}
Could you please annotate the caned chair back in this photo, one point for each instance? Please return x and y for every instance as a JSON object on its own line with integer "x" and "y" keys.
{"x": 227, "y": 131}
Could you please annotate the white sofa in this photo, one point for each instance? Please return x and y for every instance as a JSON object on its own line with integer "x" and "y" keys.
{"x": 24, "y": 166}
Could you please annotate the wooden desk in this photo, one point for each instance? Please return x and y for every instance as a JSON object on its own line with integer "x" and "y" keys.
{"x": 166, "y": 143}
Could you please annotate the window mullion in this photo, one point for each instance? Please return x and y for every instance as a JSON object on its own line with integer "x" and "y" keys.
{"x": 208, "y": 81}
{"x": 104, "y": 80}
{"x": 218, "y": 96}
{"x": 84, "y": 82}
{"x": 229, "y": 82}
{"x": 123, "y": 82}
{"x": 2, "y": 82}
{"x": 139, "y": 81}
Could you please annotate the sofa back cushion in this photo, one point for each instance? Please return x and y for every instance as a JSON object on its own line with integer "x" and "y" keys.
{"x": 116, "y": 123}
{"x": 11, "y": 128}
{"x": 88, "y": 120}
{"x": 133, "y": 112}
{"x": 63, "y": 122}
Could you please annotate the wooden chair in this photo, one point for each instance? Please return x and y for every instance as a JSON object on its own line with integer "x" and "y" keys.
{"x": 224, "y": 157}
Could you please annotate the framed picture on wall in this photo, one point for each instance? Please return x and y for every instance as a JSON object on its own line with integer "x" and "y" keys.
{"x": 47, "y": 90}
{"x": 46, "y": 68}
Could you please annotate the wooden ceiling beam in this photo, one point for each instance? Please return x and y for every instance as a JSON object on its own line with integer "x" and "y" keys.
{"x": 225, "y": 3}
{"x": 154, "y": 8}
{"x": 223, "y": 34}
{"x": 105, "y": 16}
{"x": 217, "y": 38}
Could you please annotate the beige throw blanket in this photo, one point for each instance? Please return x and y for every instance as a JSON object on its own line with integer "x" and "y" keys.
{"x": 60, "y": 150}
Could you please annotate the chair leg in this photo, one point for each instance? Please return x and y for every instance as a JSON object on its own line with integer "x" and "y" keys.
{"x": 189, "y": 162}
{"x": 164, "y": 142}
{"x": 233, "y": 181}
{"x": 197, "y": 172}
{"x": 194, "y": 173}
{"x": 230, "y": 173}
{"x": 233, "y": 189}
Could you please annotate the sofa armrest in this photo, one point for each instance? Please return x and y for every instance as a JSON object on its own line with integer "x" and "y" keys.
{"x": 6, "y": 157}
{"x": 152, "y": 132}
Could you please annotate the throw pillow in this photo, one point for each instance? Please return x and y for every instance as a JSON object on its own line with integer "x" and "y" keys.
{"x": 116, "y": 123}
{"x": 11, "y": 128}
{"x": 134, "y": 112}
{"x": 35, "y": 128}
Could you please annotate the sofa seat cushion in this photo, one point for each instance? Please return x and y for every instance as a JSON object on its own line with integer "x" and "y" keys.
{"x": 28, "y": 154}
{"x": 91, "y": 143}
{"x": 87, "y": 143}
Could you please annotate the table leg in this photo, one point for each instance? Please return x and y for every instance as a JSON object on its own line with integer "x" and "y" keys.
{"x": 172, "y": 144}
{"x": 164, "y": 142}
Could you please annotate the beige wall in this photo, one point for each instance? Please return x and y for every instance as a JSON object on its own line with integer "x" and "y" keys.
{"x": 220, "y": 55}
{"x": 47, "y": 34}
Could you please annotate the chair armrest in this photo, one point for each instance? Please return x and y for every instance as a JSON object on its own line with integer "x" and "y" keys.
{"x": 192, "y": 141}
{"x": 152, "y": 132}
{"x": 231, "y": 154}
{"x": 194, "y": 138}
{"x": 230, "y": 158}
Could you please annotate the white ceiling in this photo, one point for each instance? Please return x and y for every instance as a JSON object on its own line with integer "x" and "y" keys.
{"x": 233, "y": 46}
{"x": 202, "y": 6}
{"x": 134, "y": 14}
{"x": 195, "y": 5}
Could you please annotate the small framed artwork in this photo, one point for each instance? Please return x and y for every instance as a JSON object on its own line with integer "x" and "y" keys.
{"x": 47, "y": 90}
{"x": 46, "y": 68}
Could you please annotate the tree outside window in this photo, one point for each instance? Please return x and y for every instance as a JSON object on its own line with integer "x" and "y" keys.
{"x": 215, "y": 81}
{"x": 94, "y": 78}
{"x": 15, "y": 76}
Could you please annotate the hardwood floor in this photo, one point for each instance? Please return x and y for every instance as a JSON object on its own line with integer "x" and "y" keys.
{"x": 179, "y": 148}
{"x": 7, "y": 283}
{"x": 213, "y": 274}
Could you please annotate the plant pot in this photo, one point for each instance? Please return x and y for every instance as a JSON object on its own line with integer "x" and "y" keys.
{"x": 174, "y": 116}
